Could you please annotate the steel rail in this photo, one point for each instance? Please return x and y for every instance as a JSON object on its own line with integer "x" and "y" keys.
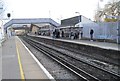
{"x": 66, "y": 64}
{"x": 112, "y": 73}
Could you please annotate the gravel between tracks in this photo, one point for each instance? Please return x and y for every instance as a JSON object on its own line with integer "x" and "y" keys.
{"x": 55, "y": 69}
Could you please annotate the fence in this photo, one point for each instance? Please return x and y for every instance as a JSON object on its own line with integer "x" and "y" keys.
{"x": 103, "y": 30}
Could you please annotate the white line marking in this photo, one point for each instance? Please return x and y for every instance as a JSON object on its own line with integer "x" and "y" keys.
{"x": 41, "y": 66}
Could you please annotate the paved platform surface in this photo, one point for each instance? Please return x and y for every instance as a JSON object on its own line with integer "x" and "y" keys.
{"x": 10, "y": 66}
{"x": 22, "y": 67}
{"x": 104, "y": 45}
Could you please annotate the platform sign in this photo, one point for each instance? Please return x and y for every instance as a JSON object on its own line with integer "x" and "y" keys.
{"x": 110, "y": 20}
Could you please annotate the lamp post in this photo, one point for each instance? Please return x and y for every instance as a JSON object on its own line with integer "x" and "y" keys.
{"x": 79, "y": 15}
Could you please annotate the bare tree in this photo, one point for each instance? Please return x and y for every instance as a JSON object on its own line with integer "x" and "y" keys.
{"x": 111, "y": 9}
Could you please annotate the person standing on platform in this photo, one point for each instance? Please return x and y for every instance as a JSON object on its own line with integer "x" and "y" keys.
{"x": 62, "y": 33}
{"x": 54, "y": 34}
{"x": 91, "y": 34}
{"x": 81, "y": 33}
{"x": 58, "y": 34}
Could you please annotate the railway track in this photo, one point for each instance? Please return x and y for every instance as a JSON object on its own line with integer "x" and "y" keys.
{"x": 70, "y": 62}
{"x": 107, "y": 62}
{"x": 100, "y": 59}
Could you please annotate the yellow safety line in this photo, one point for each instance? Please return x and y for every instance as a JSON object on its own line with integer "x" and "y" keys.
{"x": 20, "y": 65}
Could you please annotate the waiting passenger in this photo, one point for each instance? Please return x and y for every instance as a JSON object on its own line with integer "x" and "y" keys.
{"x": 57, "y": 34}
{"x": 62, "y": 33}
{"x": 54, "y": 33}
{"x": 75, "y": 35}
{"x": 81, "y": 34}
{"x": 91, "y": 34}
{"x": 39, "y": 33}
{"x": 72, "y": 36}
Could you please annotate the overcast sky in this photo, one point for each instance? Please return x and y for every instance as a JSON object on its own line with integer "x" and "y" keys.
{"x": 55, "y": 9}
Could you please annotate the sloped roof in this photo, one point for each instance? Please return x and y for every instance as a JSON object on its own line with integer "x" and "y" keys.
{"x": 71, "y": 21}
{"x": 31, "y": 21}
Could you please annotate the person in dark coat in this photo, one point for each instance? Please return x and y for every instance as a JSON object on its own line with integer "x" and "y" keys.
{"x": 54, "y": 32}
{"x": 58, "y": 34}
{"x": 62, "y": 33}
{"x": 91, "y": 34}
{"x": 81, "y": 34}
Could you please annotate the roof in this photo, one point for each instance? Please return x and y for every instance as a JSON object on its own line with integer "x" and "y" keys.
{"x": 31, "y": 21}
{"x": 71, "y": 21}
{"x": 19, "y": 28}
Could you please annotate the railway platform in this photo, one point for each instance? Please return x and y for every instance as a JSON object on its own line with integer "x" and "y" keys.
{"x": 103, "y": 45}
{"x": 19, "y": 63}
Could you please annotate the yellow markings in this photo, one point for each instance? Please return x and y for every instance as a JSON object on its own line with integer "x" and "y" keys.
{"x": 20, "y": 65}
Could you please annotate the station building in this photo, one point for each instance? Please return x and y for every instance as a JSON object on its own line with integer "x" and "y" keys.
{"x": 103, "y": 31}
{"x": 75, "y": 21}
{"x": 74, "y": 24}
